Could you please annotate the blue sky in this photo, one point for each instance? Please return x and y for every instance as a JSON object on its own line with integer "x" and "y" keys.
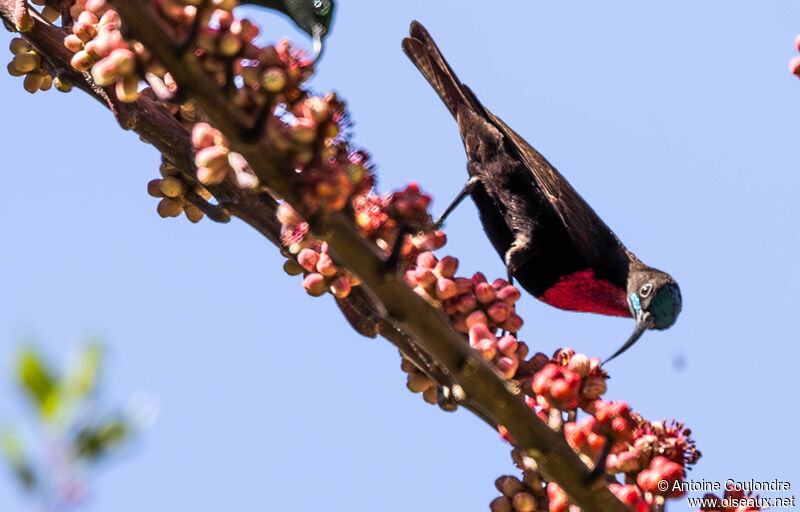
{"x": 677, "y": 122}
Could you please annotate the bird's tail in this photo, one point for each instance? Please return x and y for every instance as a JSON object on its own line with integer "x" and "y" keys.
{"x": 423, "y": 52}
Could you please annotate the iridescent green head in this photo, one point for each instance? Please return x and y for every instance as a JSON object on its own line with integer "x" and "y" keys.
{"x": 323, "y": 12}
{"x": 654, "y": 300}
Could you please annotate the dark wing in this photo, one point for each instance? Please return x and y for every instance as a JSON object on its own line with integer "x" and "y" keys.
{"x": 587, "y": 230}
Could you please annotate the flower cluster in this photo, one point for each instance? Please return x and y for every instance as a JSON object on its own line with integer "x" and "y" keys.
{"x": 381, "y": 219}
{"x": 28, "y": 63}
{"x": 215, "y": 161}
{"x": 526, "y": 495}
{"x": 320, "y": 273}
{"x": 98, "y": 46}
{"x": 172, "y": 189}
{"x": 643, "y": 453}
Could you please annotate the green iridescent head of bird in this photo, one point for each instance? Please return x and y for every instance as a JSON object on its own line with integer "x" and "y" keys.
{"x": 654, "y": 300}
{"x": 655, "y": 294}
{"x": 323, "y": 11}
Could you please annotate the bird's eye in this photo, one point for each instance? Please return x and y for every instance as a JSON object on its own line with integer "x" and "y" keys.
{"x": 646, "y": 289}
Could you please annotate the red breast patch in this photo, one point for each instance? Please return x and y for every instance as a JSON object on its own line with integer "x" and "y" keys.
{"x": 583, "y": 291}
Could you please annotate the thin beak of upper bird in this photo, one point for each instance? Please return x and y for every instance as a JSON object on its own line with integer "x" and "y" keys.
{"x": 644, "y": 320}
{"x": 317, "y": 38}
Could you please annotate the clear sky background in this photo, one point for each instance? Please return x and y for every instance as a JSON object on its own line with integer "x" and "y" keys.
{"x": 676, "y": 121}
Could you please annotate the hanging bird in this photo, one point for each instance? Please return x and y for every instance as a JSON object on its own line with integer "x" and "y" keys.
{"x": 314, "y": 17}
{"x": 552, "y": 242}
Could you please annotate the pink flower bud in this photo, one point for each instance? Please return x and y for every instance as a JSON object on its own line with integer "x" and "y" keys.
{"x": 624, "y": 462}
{"x": 73, "y": 43}
{"x": 508, "y": 294}
{"x": 87, "y": 17}
{"x": 593, "y": 387}
{"x": 445, "y": 289}
{"x": 522, "y": 350}
{"x": 485, "y": 293}
{"x": 213, "y": 157}
{"x": 446, "y": 267}
{"x": 559, "y": 502}
{"x": 426, "y": 277}
{"x": 124, "y": 61}
{"x": 340, "y": 287}
{"x": 486, "y": 347}
{"x": 477, "y": 318}
{"x": 316, "y": 108}
{"x": 104, "y": 72}
{"x": 465, "y": 303}
{"x": 209, "y": 176}
{"x": 127, "y": 88}
{"x": 630, "y": 496}
{"x": 507, "y": 345}
{"x": 478, "y": 278}
{"x": 513, "y": 324}
{"x": 478, "y": 332}
{"x": 303, "y": 131}
{"x": 82, "y": 61}
{"x": 203, "y": 136}
{"x": 287, "y": 215}
{"x": 84, "y": 31}
{"x": 426, "y": 260}
{"x": 314, "y": 284}
{"x": 325, "y": 266}
{"x": 508, "y": 366}
{"x": 308, "y": 259}
{"x": 499, "y": 312}
{"x": 464, "y": 285}
{"x": 794, "y": 65}
{"x": 579, "y": 363}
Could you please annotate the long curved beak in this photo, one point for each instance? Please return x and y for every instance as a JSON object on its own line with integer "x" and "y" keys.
{"x": 317, "y": 38}
{"x": 644, "y": 320}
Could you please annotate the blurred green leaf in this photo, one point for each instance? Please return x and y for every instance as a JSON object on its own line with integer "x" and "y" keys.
{"x": 26, "y": 476}
{"x": 82, "y": 376}
{"x": 38, "y": 382}
{"x": 95, "y": 441}
{"x": 11, "y": 446}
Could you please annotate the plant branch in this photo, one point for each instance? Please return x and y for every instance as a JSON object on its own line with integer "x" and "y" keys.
{"x": 398, "y": 313}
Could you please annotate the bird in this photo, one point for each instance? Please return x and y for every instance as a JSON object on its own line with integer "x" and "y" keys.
{"x": 314, "y": 17}
{"x": 552, "y": 242}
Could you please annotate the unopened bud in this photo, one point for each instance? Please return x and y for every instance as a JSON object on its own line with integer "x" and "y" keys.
{"x": 169, "y": 207}
{"x": 314, "y": 284}
{"x": 171, "y": 187}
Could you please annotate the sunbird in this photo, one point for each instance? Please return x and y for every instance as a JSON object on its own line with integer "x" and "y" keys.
{"x": 552, "y": 242}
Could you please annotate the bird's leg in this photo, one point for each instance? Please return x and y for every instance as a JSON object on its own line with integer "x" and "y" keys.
{"x": 200, "y": 13}
{"x": 599, "y": 469}
{"x": 393, "y": 260}
{"x": 468, "y": 188}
